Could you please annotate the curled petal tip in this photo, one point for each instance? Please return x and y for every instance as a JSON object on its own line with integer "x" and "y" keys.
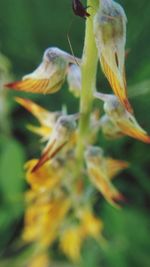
{"x": 133, "y": 131}
{"x": 12, "y": 85}
{"x": 119, "y": 199}
{"x": 146, "y": 139}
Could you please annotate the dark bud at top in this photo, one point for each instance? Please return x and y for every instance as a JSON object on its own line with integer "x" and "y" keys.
{"x": 79, "y": 9}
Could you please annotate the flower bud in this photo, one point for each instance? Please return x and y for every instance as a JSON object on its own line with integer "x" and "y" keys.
{"x": 109, "y": 129}
{"x": 74, "y": 79}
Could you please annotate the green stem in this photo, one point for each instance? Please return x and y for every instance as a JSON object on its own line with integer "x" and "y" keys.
{"x": 88, "y": 70}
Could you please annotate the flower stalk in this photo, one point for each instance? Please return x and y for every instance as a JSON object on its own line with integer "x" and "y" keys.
{"x": 88, "y": 70}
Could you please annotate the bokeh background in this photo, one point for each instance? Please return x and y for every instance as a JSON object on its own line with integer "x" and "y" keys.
{"x": 27, "y": 28}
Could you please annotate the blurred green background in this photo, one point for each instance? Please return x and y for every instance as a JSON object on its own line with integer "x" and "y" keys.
{"x": 27, "y": 28}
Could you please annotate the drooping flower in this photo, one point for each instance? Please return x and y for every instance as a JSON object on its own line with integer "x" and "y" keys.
{"x": 50, "y": 74}
{"x": 63, "y": 132}
{"x": 110, "y": 33}
{"x": 121, "y": 118}
{"x": 99, "y": 176}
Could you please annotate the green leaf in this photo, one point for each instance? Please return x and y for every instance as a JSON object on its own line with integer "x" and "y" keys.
{"x": 11, "y": 172}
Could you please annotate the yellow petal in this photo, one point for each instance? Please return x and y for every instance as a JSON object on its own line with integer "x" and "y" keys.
{"x": 34, "y": 108}
{"x": 119, "y": 90}
{"x": 91, "y": 225}
{"x": 43, "y": 131}
{"x": 45, "y": 178}
{"x": 134, "y": 131}
{"x": 71, "y": 242}
{"x": 115, "y": 166}
{"x": 110, "y": 193}
{"x": 38, "y": 86}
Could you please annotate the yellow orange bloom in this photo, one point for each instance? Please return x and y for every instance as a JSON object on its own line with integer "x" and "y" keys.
{"x": 49, "y": 76}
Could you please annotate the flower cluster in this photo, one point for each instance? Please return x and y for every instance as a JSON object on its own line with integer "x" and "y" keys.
{"x": 60, "y": 200}
{"x": 59, "y": 203}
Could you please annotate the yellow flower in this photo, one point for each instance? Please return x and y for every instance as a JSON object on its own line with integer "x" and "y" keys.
{"x": 45, "y": 178}
{"x": 43, "y": 219}
{"x": 92, "y": 226}
{"x": 98, "y": 174}
{"x": 71, "y": 242}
